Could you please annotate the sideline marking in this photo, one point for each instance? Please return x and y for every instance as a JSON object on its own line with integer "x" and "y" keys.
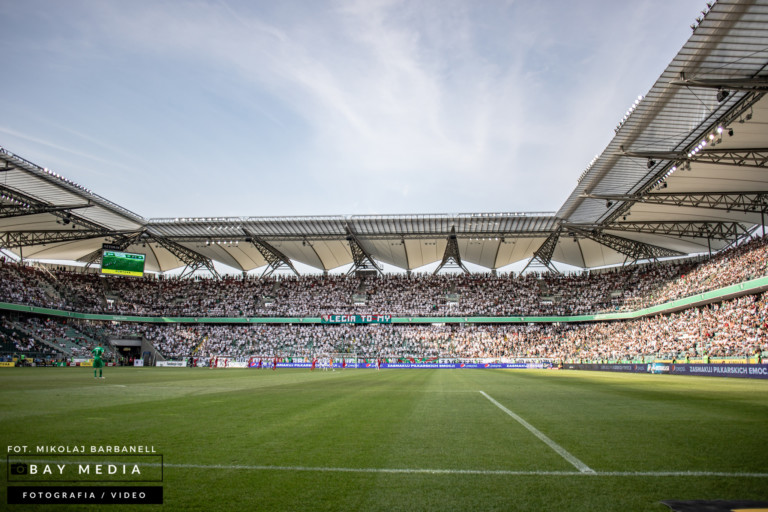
{"x": 499, "y": 472}
{"x": 559, "y": 449}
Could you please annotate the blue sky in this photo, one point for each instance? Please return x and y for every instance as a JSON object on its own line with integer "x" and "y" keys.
{"x": 257, "y": 108}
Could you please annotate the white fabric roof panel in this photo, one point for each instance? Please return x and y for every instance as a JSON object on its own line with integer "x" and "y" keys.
{"x": 517, "y": 249}
{"x": 73, "y": 250}
{"x": 391, "y": 252}
{"x": 331, "y": 254}
{"x": 424, "y": 252}
{"x": 597, "y": 255}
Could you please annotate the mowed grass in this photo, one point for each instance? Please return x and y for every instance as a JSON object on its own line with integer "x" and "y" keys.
{"x": 405, "y": 439}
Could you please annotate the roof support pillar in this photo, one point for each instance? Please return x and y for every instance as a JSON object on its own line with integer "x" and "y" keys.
{"x": 543, "y": 254}
{"x": 275, "y": 259}
{"x": 194, "y": 260}
{"x": 362, "y": 260}
{"x": 451, "y": 257}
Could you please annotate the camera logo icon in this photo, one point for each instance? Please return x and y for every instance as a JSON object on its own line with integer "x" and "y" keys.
{"x": 19, "y": 468}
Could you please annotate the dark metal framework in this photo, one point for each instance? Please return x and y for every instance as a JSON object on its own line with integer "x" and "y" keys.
{"x": 758, "y": 83}
{"x": 194, "y": 261}
{"x": 292, "y": 237}
{"x": 757, "y": 157}
{"x": 543, "y": 254}
{"x": 727, "y": 201}
{"x": 737, "y": 111}
{"x": 451, "y": 257}
{"x": 633, "y": 249}
{"x": 713, "y": 230}
{"x": 16, "y": 204}
{"x": 14, "y": 239}
{"x": 275, "y": 259}
{"x": 361, "y": 259}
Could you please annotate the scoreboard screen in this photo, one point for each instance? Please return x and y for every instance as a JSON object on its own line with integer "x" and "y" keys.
{"x": 122, "y": 263}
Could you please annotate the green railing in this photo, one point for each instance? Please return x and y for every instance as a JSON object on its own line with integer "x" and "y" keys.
{"x": 745, "y": 288}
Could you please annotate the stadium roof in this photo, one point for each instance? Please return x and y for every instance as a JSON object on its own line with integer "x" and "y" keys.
{"x": 684, "y": 174}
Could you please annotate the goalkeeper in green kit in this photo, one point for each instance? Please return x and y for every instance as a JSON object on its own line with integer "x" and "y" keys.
{"x": 97, "y": 361}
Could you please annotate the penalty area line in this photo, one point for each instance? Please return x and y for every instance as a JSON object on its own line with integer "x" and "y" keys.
{"x": 556, "y": 447}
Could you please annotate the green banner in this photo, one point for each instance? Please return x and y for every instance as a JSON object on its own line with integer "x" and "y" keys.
{"x": 356, "y": 319}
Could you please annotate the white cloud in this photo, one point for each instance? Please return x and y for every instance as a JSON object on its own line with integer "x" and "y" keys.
{"x": 403, "y": 106}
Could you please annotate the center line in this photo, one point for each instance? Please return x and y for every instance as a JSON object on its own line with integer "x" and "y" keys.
{"x": 559, "y": 449}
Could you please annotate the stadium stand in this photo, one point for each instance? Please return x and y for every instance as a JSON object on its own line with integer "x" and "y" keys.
{"x": 684, "y": 176}
{"x": 530, "y": 294}
{"x": 731, "y": 328}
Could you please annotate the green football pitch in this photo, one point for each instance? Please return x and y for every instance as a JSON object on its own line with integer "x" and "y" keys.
{"x": 244, "y": 439}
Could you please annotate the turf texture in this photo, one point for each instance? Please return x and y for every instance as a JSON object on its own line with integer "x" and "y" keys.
{"x": 245, "y": 439}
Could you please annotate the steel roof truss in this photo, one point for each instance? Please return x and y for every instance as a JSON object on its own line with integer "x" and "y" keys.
{"x": 451, "y": 257}
{"x": 727, "y": 201}
{"x": 194, "y": 260}
{"x": 757, "y": 157}
{"x": 14, "y": 239}
{"x": 361, "y": 259}
{"x": 23, "y": 204}
{"x": 631, "y": 248}
{"x": 275, "y": 258}
{"x": 728, "y": 231}
{"x": 543, "y": 254}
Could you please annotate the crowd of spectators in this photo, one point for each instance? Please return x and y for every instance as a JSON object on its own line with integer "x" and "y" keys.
{"x": 736, "y": 265}
{"x": 46, "y": 336}
{"x": 15, "y": 340}
{"x": 731, "y": 328}
{"x": 402, "y": 295}
{"x": 734, "y": 328}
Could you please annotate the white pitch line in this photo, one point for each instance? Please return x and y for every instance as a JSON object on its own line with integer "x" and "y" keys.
{"x": 425, "y": 471}
{"x": 502, "y": 472}
{"x": 559, "y": 449}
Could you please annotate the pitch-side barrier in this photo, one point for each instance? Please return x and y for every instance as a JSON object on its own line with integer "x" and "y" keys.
{"x": 748, "y": 371}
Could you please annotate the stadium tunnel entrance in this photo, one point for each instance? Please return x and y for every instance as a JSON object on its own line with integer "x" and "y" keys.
{"x": 127, "y": 348}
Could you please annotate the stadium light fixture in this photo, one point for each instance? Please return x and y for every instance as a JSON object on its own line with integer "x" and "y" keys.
{"x": 722, "y": 94}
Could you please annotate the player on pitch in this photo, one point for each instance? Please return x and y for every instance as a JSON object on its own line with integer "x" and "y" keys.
{"x": 98, "y": 363}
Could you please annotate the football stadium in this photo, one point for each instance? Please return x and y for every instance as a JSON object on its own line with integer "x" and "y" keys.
{"x": 605, "y": 356}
